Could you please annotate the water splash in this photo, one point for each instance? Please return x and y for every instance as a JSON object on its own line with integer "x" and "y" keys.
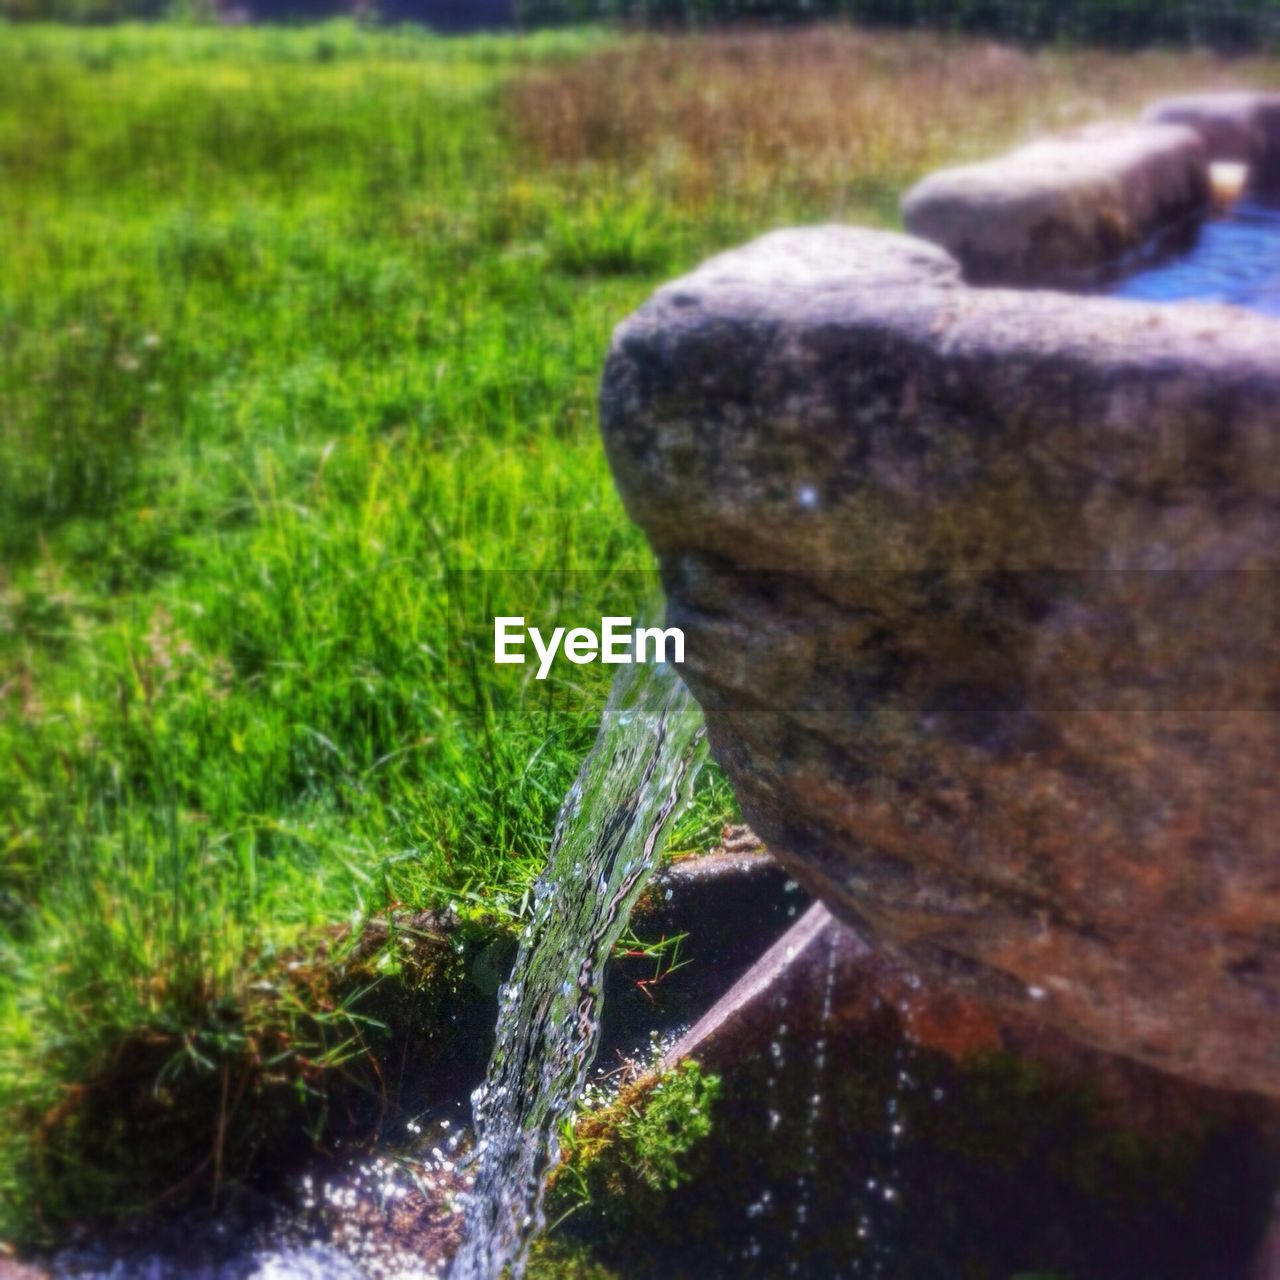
{"x": 637, "y": 776}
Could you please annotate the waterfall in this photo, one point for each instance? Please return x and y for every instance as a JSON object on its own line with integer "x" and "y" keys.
{"x": 638, "y": 775}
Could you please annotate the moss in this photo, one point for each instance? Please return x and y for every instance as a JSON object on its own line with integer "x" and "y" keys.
{"x": 623, "y": 1161}
{"x": 561, "y": 1259}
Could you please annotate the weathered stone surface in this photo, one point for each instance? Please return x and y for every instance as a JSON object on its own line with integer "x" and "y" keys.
{"x": 1063, "y": 208}
{"x": 1242, "y": 127}
{"x": 980, "y": 600}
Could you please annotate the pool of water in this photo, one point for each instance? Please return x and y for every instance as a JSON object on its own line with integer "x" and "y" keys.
{"x": 1234, "y": 258}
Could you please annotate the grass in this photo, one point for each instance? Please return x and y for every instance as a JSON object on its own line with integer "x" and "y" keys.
{"x": 301, "y": 331}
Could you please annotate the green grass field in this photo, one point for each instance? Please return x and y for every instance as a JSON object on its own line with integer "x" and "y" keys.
{"x": 294, "y": 324}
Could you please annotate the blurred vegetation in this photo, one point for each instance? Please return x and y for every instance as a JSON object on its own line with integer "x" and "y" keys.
{"x": 1227, "y": 25}
{"x": 1232, "y": 24}
{"x": 298, "y": 329}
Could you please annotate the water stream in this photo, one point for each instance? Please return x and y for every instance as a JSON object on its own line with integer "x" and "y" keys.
{"x": 636, "y": 778}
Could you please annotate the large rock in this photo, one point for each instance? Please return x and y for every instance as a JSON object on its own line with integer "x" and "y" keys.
{"x": 1065, "y": 208}
{"x": 980, "y": 600}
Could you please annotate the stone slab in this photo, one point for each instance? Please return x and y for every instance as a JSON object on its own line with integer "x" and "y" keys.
{"x": 1065, "y": 208}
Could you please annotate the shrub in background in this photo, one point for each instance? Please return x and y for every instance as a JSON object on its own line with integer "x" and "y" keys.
{"x": 1231, "y": 24}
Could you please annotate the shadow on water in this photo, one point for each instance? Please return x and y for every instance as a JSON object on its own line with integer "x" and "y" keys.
{"x": 841, "y": 1145}
{"x": 726, "y": 912}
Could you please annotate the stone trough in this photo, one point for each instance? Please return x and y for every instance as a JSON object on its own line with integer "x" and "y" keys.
{"x": 978, "y": 585}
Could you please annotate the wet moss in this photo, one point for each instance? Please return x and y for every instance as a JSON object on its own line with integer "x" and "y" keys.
{"x": 623, "y": 1161}
{"x": 561, "y": 1259}
{"x": 623, "y": 1165}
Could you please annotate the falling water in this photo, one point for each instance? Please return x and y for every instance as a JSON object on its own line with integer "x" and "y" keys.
{"x": 636, "y": 777}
